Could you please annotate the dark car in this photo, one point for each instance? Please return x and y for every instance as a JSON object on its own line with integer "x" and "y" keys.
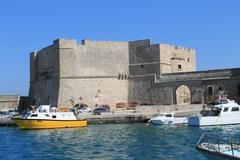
{"x": 98, "y": 111}
{"x": 146, "y": 104}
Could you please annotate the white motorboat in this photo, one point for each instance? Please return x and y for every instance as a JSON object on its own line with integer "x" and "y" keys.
{"x": 226, "y": 112}
{"x": 168, "y": 118}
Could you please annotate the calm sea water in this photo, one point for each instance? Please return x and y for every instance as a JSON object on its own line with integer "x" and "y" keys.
{"x": 107, "y": 141}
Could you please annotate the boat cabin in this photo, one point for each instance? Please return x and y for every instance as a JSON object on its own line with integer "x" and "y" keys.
{"x": 168, "y": 115}
{"x": 230, "y": 108}
{"x": 49, "y": 113}
{"x": 51, "y": 116}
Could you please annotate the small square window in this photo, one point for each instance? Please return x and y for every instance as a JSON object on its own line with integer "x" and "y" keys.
{"x": 142, "y": 66}
{"x": 179, "y": 66}
{"x": 238, "y": 89}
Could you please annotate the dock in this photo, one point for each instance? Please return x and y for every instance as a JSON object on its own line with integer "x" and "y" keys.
{"x": 138, "y": 115}
{"x": 127, "y": 117}
{"x": 116, "y": 118}
{"x": 6, "y": 122}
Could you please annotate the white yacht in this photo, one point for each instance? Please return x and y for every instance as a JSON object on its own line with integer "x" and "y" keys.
{"x": 167, "y": 118}
{"x": 223, "y": 113}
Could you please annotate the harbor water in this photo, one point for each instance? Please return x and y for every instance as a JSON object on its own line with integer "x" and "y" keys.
{"x": 107, "y": 141}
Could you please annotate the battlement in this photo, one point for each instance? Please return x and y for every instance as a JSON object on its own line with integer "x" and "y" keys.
{"x": 65, "y": 43}
{"x": 177, "y": 48}
{"x": 88, "y": 41}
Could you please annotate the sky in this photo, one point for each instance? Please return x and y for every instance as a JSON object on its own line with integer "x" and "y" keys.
{"x": 211, "y": 27}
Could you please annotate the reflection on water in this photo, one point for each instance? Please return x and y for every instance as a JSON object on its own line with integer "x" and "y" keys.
{"x": 110, "y": 141}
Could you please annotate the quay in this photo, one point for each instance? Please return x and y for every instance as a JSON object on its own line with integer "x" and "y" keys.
{"x": 141, "y": 114}
{"x": 6, "y": 122}
{"x": 110, "y": 118}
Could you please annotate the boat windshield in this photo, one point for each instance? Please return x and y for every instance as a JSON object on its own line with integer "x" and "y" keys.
{"x": 212, "y": 112}
{"x": 221, "y": 102}
{"x": 166, "y": 115}
{"x": 27, "y": 114}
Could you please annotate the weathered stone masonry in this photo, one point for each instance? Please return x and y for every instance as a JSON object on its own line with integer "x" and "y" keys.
{"x": 106, "y": 72}
{"x": 204, "y": 86}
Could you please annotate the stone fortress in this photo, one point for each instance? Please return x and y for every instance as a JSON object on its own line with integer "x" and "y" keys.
{"x": 106, "y": 72}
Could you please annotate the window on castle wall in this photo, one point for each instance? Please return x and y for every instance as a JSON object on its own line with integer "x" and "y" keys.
{"x": 210, "y": 91}
{"x": 188, "y": 59}
{"x": 142, "y": 66}
{"x": 119, "y": 76}
{"x": 179, "y": 66}
{"x": 238, "y": 90}
{"x": 220, "y": 88}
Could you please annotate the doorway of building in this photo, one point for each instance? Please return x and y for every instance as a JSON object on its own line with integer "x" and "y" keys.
{"x": 183, "y": 95}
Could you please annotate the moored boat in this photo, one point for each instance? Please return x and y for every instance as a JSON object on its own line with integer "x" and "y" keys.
{"x": 45, "y": 118}
{"x": 222, "y": 147}
{"x": 226, "y": 112}
{"x": 167, "y": 118}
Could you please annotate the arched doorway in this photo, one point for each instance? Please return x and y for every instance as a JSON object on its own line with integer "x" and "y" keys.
{"x": 183, "y": 95}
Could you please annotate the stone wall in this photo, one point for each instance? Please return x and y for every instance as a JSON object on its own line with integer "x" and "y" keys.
{"x": 9, "y": 101}
{"x": 93, "y": 58}
{"x": 93, "y": 91}
{"x": 148, "y": 62}
{"x": 177, "y": 59}
{"x": 140, "y": 88}
{"x": 91, "y": 68}
{"x": 168, "y": 108}
{"x": 144, "y": 58}
{"x": 163, "y": 90}
{"x": 44, "y": 73}
{"x": 67, "y": 70}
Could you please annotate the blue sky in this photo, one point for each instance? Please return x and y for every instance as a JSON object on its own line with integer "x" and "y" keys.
{"x": 211, "y": 27}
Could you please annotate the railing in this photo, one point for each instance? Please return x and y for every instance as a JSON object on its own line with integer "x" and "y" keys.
{"x": 218, "y": 143}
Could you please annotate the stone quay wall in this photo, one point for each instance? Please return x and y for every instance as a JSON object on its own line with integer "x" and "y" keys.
{"x": 9, "y": 101}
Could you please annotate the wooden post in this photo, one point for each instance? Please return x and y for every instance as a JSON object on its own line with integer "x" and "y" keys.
{"x": 232, "y": 149}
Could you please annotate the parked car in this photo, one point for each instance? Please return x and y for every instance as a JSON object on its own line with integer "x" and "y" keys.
{"x": 85, "y": 110}
{"x": 146, "y": 104}
{"x": 104, "y": 106}
{"x": 8, "y": 113}
{"x": 80, "y": 105}
{"x": 100, "y": 110}
{"x": 4, "y": 114}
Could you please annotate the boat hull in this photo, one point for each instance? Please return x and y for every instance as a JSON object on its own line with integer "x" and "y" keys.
{"x": 48, "y": 124}
{"x": 214, "y": 120}
{"x": 161, "y": 121}
{"x": 214, "y": 152}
